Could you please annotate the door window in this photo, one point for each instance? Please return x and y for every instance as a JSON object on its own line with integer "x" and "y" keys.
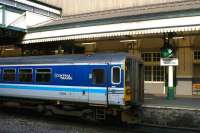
{"x": 98, "y": 76}
{"x": 116, "y": 75}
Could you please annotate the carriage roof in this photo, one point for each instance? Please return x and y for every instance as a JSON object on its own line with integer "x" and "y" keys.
{"x": 112, "y": 58}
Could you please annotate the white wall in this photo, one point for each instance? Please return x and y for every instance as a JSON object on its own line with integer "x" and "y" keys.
{"x": 33, "y": 19}
{"x": 1, "y": 21}
{"x": 22, "y": 20}
{"x": 72, "y": 7}
{"x": 14, "y": 19}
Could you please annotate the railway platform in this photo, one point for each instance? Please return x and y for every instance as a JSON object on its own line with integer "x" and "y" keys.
{"x": 183, "y": 111}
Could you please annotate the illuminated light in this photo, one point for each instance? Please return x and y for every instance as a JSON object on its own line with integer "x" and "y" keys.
{"x": 124, "y": 41}
{"x": 58, "y": 102}
{"x": 175, "y": 38}
{"x": 128, "y": 91}
{"x": 88, "y": 43}
{"x": 178, "y": 37}
{"x": 9, "y": 49}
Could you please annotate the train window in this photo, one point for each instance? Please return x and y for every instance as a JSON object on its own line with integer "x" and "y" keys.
{"x": 116, "y": 75}
{"x": 9, "y": 74}
{"x": 98, "y": 76}
{"x": 25, "y": 75}
{"x": 43, "y": 75}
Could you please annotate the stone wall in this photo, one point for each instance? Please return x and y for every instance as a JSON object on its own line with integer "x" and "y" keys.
{"x": 187, "y": 118}
{"x": 154, "y": 88}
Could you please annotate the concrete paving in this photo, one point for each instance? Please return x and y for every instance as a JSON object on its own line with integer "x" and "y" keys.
{"x": 183, "y": 102}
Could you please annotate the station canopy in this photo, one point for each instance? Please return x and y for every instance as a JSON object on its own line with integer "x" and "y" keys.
{"x": 94, "y": 27}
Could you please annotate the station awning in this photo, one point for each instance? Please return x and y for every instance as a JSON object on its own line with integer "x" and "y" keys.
{"x": 183, "y": 24}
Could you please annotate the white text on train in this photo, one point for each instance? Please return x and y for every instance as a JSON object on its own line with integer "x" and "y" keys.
{"x": 63, "y": 76}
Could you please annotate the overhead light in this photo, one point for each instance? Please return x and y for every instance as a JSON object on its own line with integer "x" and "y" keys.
{"x": 88, "y": 43}
{"x": 128, "y": 41}
{"x": 9, "y": 49}
{"x": 178, "y": 37}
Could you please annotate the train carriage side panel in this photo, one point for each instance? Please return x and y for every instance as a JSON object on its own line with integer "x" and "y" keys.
{"x": 80, "y": 90}
{"x": 48, "y": 83}
{"x": 92, "y": 83}
{"x": 64, "y": 78}
{"x": 98, "y": 84}
{"x": 33, "y": 88}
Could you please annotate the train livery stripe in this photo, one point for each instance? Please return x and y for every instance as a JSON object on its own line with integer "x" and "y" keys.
{"x": 57, "y": 88}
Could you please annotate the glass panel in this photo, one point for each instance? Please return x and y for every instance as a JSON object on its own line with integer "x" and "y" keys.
{"x": 43, "y": 75}
{"x": 25, "y": 75}
{"x": 98, "y": 76}
{"x": 158, "y": 73}
{"x": 147, "y": 57}
{"x": 116, "y": 75}
{"x": 43, "y": 70}
{"x": 156, "y": 56}
{"x": 196, "y": 55}
{"x": 148, "y": 73}
{"x": 151, "y": 57}
{"x": 9, "y": 75}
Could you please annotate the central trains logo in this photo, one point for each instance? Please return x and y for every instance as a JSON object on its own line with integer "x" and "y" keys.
{"x": 63, "y": 76}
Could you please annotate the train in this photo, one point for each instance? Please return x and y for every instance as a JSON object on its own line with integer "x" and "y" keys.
{"x": 96, "y": 85}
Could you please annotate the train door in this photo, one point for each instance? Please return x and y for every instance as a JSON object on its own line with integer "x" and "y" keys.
{"x": 133, "y": 81}
{"x": 98, "y": 85}
{"x": 80, "y": 93}
{"x": 116, "y": 90}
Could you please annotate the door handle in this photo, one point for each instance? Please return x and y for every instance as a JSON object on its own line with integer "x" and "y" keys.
{"x": 83, "y": 92}
{"x": 90, "y": 76}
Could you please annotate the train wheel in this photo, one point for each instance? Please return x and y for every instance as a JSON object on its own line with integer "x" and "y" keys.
{"x": 40, "y": 108}
{"x": 48, "y": 111}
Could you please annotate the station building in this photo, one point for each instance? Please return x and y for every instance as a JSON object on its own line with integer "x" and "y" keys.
{"x": 136, "y": 27}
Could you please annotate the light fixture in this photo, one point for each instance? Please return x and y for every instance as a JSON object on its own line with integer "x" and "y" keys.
{"x": 88, "y": 43}
{"x": 178, "y": 37}
{"x": 126, "y": 41}
{"x": 9, "y": 49}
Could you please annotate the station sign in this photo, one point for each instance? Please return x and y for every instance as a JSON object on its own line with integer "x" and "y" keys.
{"x": 169, "y": 61}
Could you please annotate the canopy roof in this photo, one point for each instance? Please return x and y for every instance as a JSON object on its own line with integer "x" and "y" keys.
{"x": 172, "y": 17}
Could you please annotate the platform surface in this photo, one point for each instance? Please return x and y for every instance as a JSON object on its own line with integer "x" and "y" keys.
{"x": 180, "y": 102}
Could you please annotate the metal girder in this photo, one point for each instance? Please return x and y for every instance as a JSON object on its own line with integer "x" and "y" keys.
{"x": 9, "y": 36}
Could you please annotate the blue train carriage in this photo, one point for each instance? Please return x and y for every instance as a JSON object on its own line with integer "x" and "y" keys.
{"x": 103, "y": 83}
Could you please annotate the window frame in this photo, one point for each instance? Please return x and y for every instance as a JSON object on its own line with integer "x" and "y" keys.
{"x": 36, "y": 75}
{"x": 120, "y": 75}
{"x": 196, "y": 55}
{"x": 2, "y": 76}
{"x": 32, "y": 71}
{"x": 149, "y": 71}
{"x": 104, "y": 76}
{"x": 153, "y": 75}
{"x": 150, "y": 56}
